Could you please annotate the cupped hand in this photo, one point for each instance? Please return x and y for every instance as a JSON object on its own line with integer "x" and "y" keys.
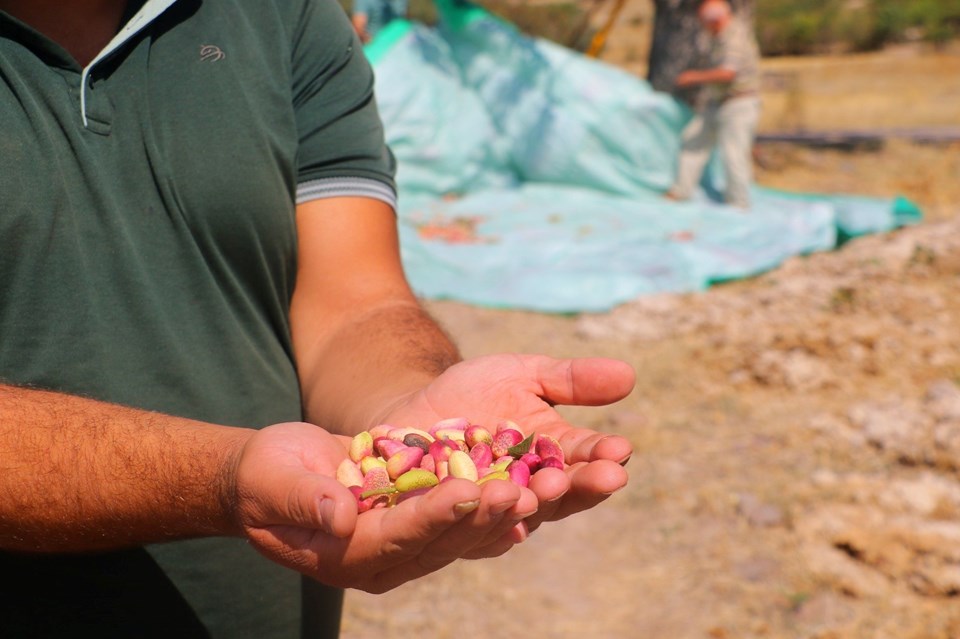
{"x": 292, "y": 509}
{"x": 524, "y": 389}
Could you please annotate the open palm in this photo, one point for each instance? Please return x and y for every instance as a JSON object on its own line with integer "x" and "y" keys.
{"x": 524, "y": 389}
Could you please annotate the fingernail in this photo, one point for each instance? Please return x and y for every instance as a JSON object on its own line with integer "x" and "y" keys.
{"x": 466, "y": 507}
{"x": 523, "y": 533}
{"x": 327, "y": 508}
{"x": 522, "y": 516}
{"x": 623, "y": 462}
{"x": 555, "y": 499}
{"x": 499, "y": 509}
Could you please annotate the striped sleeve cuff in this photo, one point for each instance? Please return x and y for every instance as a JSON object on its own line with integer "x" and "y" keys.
{"x": 346, "y": 187}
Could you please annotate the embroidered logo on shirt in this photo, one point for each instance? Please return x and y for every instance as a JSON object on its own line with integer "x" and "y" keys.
{"x": 211, "y": 52}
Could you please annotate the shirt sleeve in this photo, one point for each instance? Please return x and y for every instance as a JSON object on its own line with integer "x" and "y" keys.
{"x": 733, "y": 55}
{"x": 342, "y": 149}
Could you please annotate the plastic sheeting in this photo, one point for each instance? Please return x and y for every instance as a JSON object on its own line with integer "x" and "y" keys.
{"x": 530, "y": 177}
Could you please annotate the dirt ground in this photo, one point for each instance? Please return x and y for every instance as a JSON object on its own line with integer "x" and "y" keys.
{"x": 797, "y": 436}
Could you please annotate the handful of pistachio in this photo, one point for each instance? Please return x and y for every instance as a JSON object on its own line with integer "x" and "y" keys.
{"x": 388, "y": 464}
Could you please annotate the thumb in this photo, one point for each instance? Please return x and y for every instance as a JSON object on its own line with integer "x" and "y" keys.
{"x": 589, "y": 381}
{"x": 308, "y": 500}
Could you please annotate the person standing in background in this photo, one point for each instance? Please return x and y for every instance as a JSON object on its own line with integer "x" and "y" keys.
{"x": 727, "y": 107}
{"x": 370, "y": 16}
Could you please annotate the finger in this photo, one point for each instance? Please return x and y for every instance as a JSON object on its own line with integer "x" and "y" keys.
{"x": 493, "y": 525}
{"x": 590, "y": 381}
{"x": 502, "y": 505}
{"x": 590, "y": 484}
{"x": 306, "y": 500}
{"x": 550, "y": 485}
{"x": 582, "y": 445}
{"x": 497, "y": 499}
{"x": 407, "y": 528}
{"x": 393, "y": 544}
{"x": 499, "y": 546}
{"x": 385, "y": 546}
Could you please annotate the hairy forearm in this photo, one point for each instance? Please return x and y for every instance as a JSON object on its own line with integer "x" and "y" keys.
{"x": 361, "y": 340}
{"x": 78, "y": 474}
{"x": 363, "y": 369}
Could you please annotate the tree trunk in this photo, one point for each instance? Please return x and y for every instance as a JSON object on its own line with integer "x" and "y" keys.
{"x": 679, "y": 41}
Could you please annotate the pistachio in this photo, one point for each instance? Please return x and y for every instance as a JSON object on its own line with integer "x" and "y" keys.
{"x": 414, "y": 479}
{"x": 499, "y": 474}
{"x": 361, "y": 446}
{"x": 371, "y": 462}
{"x": 519, "y": 473}
{"x": 458, "y": 423}
{"x": 387, "y": 447}
{"x": 349, "y": 474}
{"x": 403, "y": 460}
{"x": 387, "y": 464}
{"x": 477, "y": 435}
{"x": 420, "y": 441}
{"x": 547, "y": 446}
{"x": 482, "y": 455}
{"x": 504, "y": 440}
{"x": 461, "y": 466}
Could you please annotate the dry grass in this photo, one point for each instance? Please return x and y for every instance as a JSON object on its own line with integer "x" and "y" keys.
{"x": 902, "y": 87}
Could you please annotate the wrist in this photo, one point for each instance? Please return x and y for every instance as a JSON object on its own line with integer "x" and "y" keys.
{"x": 233, "y": 446}
{"x": 347, "y": 393}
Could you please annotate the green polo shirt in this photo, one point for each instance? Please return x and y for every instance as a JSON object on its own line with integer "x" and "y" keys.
{"x": 148, "y": 256}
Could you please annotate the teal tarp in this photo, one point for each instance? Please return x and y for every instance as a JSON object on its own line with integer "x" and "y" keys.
{"x": 530, "y": 177}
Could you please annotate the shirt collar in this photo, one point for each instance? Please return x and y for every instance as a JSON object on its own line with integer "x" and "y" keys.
{"x": 150, "y": 10}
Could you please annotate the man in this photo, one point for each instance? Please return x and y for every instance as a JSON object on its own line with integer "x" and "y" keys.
{"x": 199, "y": 252}
{"x": 370, "y": 16}
{"x": 727, "y": 109}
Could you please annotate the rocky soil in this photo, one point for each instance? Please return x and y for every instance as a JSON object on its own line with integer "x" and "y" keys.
{"x": 797, "y": 467}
